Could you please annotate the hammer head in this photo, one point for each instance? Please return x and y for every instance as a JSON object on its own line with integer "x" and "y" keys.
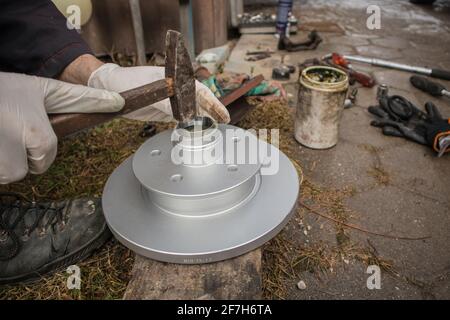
{"x": 179, "y": 69}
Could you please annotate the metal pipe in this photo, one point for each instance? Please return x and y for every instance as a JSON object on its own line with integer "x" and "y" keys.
{"x": 236, "y": 9}
{"x": 138, "y": 31}
{"x": 389, "y": 64}
{"x": 432, "y": 72}
{"x": 187, "y": 26}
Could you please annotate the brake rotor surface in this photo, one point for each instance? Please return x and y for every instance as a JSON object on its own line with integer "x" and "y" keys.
{"x": 190, "y": 213}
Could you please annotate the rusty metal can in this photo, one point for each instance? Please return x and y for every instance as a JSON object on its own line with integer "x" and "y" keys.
{"x": 321, "y": 98}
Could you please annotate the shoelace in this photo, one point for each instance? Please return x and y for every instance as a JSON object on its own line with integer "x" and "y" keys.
{"x": 9, "y": 202}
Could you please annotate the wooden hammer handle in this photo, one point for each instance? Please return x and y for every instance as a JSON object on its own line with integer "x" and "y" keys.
{"x": 68, "y": 123}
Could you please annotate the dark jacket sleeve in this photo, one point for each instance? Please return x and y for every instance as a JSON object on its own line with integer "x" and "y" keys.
{"x": 34, "y": 38}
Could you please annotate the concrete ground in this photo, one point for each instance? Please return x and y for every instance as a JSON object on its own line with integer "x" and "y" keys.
{"x": 398, "y": 187}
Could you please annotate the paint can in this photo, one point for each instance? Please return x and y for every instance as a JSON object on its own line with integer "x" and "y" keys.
{"x": 321, "y": 98}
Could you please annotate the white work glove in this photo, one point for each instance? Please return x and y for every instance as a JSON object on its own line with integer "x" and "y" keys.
{"x": 115, "y": 78}
{"x": 27, "y": 140}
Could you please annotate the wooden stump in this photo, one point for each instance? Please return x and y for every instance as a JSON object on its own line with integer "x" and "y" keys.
{"x": 238, "y": 278}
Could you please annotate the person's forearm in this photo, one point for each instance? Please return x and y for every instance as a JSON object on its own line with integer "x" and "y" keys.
{"x": 79, "y": 70}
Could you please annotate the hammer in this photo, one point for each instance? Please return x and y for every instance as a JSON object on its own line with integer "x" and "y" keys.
{"x": 179, "y": 86}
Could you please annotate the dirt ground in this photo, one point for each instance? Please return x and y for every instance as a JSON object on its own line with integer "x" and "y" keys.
{"x": 382, "y": 184}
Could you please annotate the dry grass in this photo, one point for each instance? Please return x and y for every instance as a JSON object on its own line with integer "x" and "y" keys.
{"x": 380, "y": 175}
{"x": 104, "y": 276}
{"x": 81, "y": 168}
{"x": 284, "y": 257}
{"x": 85, "y": 162}
{"x": 377, "y": 171}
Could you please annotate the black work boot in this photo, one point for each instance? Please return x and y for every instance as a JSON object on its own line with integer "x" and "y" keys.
{"x": 38, "y": 238}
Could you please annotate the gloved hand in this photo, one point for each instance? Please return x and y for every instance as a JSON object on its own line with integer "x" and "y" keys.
{"x": 27, "y": 140}
{"x": 115, "y": 78}
{"x": 399, "y": 117}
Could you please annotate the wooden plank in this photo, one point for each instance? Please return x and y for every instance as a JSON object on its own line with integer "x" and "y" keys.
{"x": 238, "y": 278}
{"x": 210, "y": 23}
{"x": 203, "y": 24}
{"x": 221, "y": 22}
{"x": 110, "y": 28}
{"x": 187, "y": 26}
{"x": 239, "y": 92}
{"x": 238, "y": 109}
{"x": 66, "y": 124}
{"x": 202, "y": 74}
{"x": 158, "y": 16}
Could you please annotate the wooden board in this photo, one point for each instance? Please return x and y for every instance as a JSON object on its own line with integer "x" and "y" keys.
{"x": 135, "y": 99}
{"x": 110, "y": 29}
{"x": 210, "y": 23}
{"x": 238, "y": 278}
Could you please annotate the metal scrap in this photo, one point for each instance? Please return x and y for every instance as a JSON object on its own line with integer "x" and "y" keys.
{"x": 311, "y": 43}
{"x": 257, "y": 57}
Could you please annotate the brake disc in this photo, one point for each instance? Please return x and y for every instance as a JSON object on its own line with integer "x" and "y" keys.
{"x": 198, "y": 194}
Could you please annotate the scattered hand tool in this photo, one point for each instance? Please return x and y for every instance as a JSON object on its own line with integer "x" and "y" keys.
{"x": 351, "y": 99}
{"x": 362, "y": 78}
{"x": 382, "y": 91}
{"x": 398, "y": 117}
{"x": 433, "y": 88}
{"x": 444, "y": 145}
{"x": 179, "y": 86}
{"x": 435, "y": 73}
{"x": 257, "y": 57}
{"x": 283, "y": 71}
{"x": 311, "y": 43}
{"x": 249, "y": 53}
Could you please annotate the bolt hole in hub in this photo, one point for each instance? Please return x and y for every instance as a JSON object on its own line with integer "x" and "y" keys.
{"x": 173, "y": 210}
{"x": 155, "y": 153}
{"x": 176, "y": 178}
